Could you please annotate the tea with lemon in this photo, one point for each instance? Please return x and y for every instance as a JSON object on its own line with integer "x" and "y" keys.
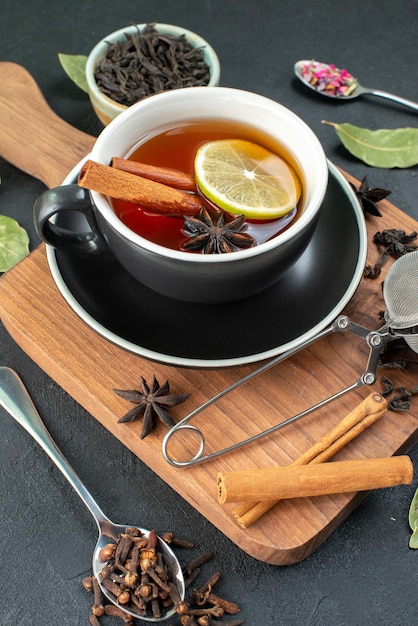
{"x": 177, "y": 147}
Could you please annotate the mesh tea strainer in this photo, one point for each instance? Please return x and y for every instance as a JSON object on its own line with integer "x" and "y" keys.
{"x": 400, "y": 292}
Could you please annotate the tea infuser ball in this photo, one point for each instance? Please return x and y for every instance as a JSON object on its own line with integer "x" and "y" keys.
{"x": 400, "y": 291}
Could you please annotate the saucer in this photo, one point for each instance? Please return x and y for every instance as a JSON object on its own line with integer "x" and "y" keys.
{"x": 306, "y": 299}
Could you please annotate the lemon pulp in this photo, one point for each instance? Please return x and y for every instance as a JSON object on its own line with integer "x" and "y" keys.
{"x": 244, "y": 178}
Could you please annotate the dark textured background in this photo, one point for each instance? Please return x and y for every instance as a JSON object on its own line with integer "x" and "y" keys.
{"x": 364, "y": 574}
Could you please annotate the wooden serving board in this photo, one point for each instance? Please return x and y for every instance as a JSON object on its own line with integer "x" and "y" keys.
{"x": 88, "y": 367}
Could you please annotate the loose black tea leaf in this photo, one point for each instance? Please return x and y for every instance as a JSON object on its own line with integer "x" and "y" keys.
{"x": 401, "y": 401}
{"x": 387, "y": 386}
{"x": 391, "y": 242}
{"x": 148, "y": 62}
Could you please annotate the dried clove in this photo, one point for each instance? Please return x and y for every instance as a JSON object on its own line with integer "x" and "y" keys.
{"x": 189, "y": 567}
{"x": 188, "y": 620}
{"x": 93, "y": 620}
{"x": 115, "y": 611}
{"x": 136, "y": 575}
{"x": 216, "y": 611}
{"x": 191, "y": 578}
{"x": 87, "y": 583}
{"x": 153, "y": 591}
{"x": 229, "y": 607}
{"x": 208, "y": 586}
{"x": 171, "y": 539}
{"x": 98, "y": 608}
{"x": 107, "y": 552}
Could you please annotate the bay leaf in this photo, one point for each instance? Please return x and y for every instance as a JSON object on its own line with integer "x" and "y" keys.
{"x": 413, "y": 521}
{"x": 74, "y": 65}
{"x": 14, "y": 243}
{"x": 384, "y": 148}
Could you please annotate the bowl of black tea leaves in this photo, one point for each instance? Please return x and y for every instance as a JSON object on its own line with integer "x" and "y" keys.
{"x": 140, "y": 60}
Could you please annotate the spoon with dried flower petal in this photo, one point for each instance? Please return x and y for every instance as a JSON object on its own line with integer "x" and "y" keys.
{"x": 15, "y": 399}
{"x": 333, "y": 82}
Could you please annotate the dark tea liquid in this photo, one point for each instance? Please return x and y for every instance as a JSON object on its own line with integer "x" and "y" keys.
{"x": 176, "y": 147}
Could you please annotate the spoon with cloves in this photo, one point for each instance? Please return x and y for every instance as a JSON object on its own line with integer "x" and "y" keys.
{"x": 15, "y": 399}
{"x": 333, "y": 82}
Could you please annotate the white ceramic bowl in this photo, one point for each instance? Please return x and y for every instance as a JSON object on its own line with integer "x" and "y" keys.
{"x": 182, "y": 275}
{"x": 106, "y": 108}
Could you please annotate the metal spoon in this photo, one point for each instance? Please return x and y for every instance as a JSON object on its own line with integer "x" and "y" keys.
{"x": 15, "y": 399}
{"x": 357, "y": 91}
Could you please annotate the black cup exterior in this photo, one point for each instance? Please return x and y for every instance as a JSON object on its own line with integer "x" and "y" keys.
{"x": 185, "y": 276}
{"x": 201, "y": 281}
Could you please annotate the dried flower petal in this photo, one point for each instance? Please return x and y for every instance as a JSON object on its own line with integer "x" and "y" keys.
{"x": 329, "y": 78}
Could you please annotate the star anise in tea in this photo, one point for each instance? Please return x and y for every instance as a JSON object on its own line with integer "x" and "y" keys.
{"x": 214, "y": 234}
{"x": 151, "y": 402}
{"x": 369, "y": 198}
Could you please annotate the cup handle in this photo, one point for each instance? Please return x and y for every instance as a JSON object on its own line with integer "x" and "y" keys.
{"x": 58, "y": 201}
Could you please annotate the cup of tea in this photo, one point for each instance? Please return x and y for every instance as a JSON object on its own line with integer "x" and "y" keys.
{"x": 166, "y": 130}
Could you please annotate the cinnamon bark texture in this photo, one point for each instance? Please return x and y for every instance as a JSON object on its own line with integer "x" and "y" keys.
{"x": 165, "y": 175}
{"x": 146, "y": 193}
{"x": 299, "y": 481}
{"x": 361, "y": 417}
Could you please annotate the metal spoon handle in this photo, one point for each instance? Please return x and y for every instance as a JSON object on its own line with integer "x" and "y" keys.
{"x": 15, "y": 399}
{"x": 388, "y": 96}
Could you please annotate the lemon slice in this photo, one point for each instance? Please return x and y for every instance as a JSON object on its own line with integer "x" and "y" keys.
{"x": 244, "y": 178}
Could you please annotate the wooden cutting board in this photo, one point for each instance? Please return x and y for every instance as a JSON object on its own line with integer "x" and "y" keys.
{"x": 88, "y": 367}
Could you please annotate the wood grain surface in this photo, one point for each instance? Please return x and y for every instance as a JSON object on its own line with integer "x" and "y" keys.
{"x": 88, "y": 367}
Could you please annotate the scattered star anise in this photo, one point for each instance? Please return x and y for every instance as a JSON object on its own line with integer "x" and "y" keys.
{"x": 152, "y": 401}
{"x": 391, "y": 242}
{"x": 214, "y": 234}
{"x": 368, "y": 198}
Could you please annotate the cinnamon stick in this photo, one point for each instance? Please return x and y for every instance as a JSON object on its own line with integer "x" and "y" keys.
{"x": 358, "y": 420}
{"x": 165, "y": 175}
{"x": 146, "y": 193}
{"x": 296, "y": 481}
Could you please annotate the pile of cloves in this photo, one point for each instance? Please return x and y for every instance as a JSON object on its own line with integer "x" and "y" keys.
{"x": 146, "y": 587}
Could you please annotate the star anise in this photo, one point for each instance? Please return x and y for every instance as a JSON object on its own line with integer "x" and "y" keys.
{"x": 368, "y": 198}
{"x": 214, "y": 234}
{"x": 152, "y": 401}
